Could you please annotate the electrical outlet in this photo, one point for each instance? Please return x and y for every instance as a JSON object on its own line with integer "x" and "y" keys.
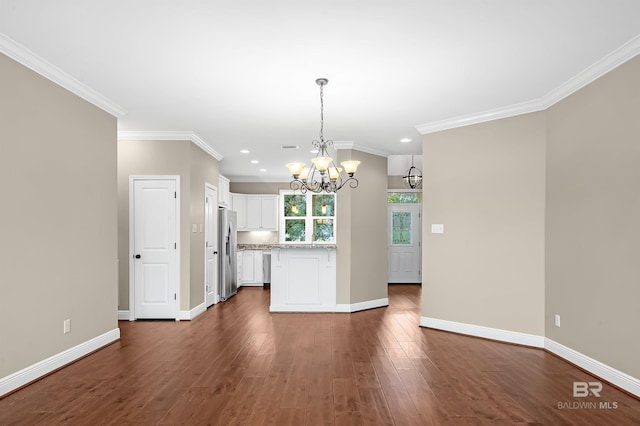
{"x": 557, "y": 320}
{"x": 67, "y": 326}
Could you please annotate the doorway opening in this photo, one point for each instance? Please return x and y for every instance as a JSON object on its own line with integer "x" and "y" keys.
{"x": 404, "y": 237}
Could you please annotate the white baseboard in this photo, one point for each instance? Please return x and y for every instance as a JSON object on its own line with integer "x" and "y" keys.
{"x": 302, "y": 308}
{"x": 354, "y": 307}
{"x": 46, "y": 366}
{"x": 603, "y": 371}
{"x": 610, "y": 374}
{"x": 252, "y": 285}
{"x": 184, "y": 315}
{"x": 361, "y": 306}
{"x": 485, "y": 332}
{"x": 189, "y": 315}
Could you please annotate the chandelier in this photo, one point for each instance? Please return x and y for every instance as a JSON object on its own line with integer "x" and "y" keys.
{"x": 323, "y": 175}
{"x": 413, "y": 178}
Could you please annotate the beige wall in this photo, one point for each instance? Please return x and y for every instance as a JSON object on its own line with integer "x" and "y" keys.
{"x": 204, "y": 170}
{"x": 593, "y": 220}
{"x": 486, "y": 184}
{"x": 258, "y": 187}
{"x": 195, "y": 168}
{"x": 396, "y": 182}
{"x": 361, "y": 232}
{"x": 58, "y": 219}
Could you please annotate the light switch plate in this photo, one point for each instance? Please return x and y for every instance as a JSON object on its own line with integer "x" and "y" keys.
{"x": 437, "y": 228}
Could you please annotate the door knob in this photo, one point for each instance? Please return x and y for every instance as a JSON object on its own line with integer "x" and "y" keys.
{"x": 137, "y": 256}
{"x": 215, "y": 252}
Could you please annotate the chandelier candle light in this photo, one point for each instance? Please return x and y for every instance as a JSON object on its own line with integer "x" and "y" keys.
{"x": 323, "y": 175}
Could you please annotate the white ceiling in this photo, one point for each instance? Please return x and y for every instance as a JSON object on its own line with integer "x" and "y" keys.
{"x": 240, "y": 74}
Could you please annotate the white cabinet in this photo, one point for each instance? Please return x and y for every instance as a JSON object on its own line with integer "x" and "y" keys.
{"x": 303, "y": 280}
{"x": 239, "y": 267}
{"x": 261, "y": 212}
{"x": 251, "y": 273}
{"x": 224, "y": 197}
{"x": 239, "y": 205}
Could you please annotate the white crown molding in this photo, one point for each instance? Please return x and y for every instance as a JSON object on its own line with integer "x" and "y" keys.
{"x": 608, "y": 63}
{"x": 481, "y": 117}
{"x": 352, "y": 145}
{"x": 24, "y": 56}
{"x": 33, "y": 372}
{"x": 143, "y": 135}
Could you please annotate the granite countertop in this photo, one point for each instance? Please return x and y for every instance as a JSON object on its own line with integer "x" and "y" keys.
{"x": 269, "y": 246}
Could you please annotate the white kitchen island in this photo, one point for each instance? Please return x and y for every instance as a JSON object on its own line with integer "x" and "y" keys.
{"x": 303, "y": 278}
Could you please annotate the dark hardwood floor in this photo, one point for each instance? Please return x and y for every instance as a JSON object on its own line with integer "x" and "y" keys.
{"x": 238, "y": 364}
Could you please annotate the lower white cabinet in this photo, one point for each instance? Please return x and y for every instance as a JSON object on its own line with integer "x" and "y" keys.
{"x": 251, "y": 273}
{"x": 303, "y": 280}
{"x": 239, "y": 268}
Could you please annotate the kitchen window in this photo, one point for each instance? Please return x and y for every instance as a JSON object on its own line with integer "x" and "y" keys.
{"x": 307, "y": 218}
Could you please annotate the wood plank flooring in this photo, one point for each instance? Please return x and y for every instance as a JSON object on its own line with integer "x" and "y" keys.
{"x": 237, "y": 364}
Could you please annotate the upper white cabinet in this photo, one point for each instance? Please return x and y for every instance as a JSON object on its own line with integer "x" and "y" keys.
{"x": 224, "y": 197}
{"x": 255, "y": 212}
{"x": 261, "y": 212}
{"x": 239, "y": 205}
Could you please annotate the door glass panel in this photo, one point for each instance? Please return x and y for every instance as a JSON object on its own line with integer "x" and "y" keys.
{"x": 294, "y": 229}
{"x": 401, "y": 228}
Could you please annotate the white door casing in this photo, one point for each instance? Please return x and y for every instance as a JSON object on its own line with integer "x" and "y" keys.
{"x": 405, "y": 245}
{"x": 154, "y": 234}
{"x": 211, "y": 246}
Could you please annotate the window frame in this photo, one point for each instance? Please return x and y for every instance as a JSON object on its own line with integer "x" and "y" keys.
{"x": 309, "y": 217}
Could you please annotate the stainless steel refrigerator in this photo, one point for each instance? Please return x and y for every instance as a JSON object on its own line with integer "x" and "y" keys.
{"x": 228, "y": 248}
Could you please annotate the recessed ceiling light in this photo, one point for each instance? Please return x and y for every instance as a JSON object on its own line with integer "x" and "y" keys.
{"x": 244, "y": 151}
{"x": 314, "y": 151}
{"x": 254, "y": 161}
{"x": 405, "y": 140}
{"x": 263, "y": 170}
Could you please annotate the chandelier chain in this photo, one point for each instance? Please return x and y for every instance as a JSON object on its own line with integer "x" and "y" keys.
{"x": 321, "y": 112}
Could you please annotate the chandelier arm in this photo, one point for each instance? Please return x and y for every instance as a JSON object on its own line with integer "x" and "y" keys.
{"x": 353, "y": 183}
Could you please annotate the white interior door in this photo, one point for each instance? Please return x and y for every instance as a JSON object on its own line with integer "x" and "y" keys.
{"x": 155, "y": 254}
{"x": 211, "y": 246}
{"x": 405, "y": 243}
